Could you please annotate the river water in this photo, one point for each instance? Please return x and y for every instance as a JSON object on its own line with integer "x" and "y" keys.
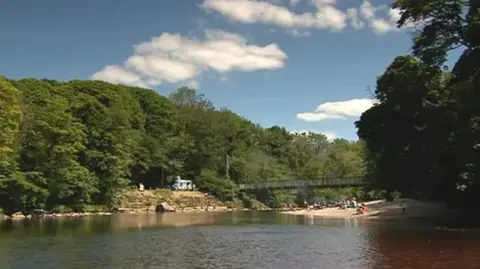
{"x": 247, "y": 240}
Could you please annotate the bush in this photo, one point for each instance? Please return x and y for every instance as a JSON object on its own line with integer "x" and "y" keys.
{"x": 278, "y": 198}
{"x": 376, "y": 194}
{"x": 392, "y": 195}
{"x": 83, "y": 208}
{"x": 247, "y": 200}
{"x": 328, "y": 194}
{"x": 222, "y": 188}
{"x": 61, "y": 209}
{"x": 235, "y": 204}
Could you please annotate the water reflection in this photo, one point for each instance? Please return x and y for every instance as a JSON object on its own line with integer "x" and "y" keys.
{"x": 419, "y": 247}
{"x": 230, "y": 240}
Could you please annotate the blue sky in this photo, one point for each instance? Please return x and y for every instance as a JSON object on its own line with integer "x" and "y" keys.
{"x": 273, "y": 61}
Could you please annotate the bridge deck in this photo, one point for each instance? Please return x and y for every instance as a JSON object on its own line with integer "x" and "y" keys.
{"x": 321, "y": 182}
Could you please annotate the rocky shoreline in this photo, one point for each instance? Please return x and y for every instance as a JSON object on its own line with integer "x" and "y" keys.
{"x": 48, "y": 215}
{"x": 19, "y": 215}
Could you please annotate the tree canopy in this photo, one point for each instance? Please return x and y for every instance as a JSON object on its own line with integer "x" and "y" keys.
{"x": 423, "y": 135}
{"x": 79, "y": 142}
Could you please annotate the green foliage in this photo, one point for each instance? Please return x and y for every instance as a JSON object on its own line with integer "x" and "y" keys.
{"x": 375, "y": 194}
{"x": 18, "y": 193}
{"x": 423, "y": 134}
{"x": 72, "y": 146}
{"x": 10, "y": 120}
{"x": 279, "y": 198}
{"x": 344, "y": 193}
{"x": 82, "y": 208}
{"x": 222, "y": 188}
{"x": 250, "y": 201}
{"x": 61, "y": 209}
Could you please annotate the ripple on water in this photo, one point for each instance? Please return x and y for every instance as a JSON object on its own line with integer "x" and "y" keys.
{"x": 260, "y": 242}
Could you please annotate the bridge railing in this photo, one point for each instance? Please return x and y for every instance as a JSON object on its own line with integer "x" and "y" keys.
{"x": 321, "y": 182}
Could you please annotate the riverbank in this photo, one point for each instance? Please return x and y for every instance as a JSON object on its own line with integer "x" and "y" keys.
{"x": 383, "y": 210}
{"x": 380, "y": 209}
{"x": 133, "y": 201}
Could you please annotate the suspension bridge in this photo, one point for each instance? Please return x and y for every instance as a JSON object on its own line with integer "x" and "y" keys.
{"x": 324, "y": 182}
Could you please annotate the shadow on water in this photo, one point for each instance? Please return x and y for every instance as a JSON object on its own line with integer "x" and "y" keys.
{"x": 247, "y": 240}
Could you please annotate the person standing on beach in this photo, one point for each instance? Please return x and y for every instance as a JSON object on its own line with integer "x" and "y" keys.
{"x": 404, "y": 207}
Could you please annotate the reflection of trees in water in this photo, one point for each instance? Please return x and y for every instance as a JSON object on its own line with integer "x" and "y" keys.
{"x": 122, "y": 241}
{"x": 102, "y": 224}
{"x": 150, "y": 240}
{"x": 51, "y": 226}
{"x": 421, "y": 248}
{"x": 51, "y": 243}
{"x": 142, "y": 221}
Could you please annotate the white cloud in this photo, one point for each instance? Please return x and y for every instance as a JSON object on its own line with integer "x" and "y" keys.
{"x": 337, "y": 110}
{"x": 314, "y": 116}
{"x": 368, "y": 10}
{"x": 378, "y": 24}
{"x": 330, "y": 135}
{"x": 162, "y": 68}
{"x": 174, "y": 58}
{"x": 352, "y": 15}
{"x": 325, "y": 15}
{"x": 251, "y": 11}
{"x": 118, "y": 75}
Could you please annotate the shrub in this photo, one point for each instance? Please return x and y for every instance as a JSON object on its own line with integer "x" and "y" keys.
{"x": 83, "y": 208}
{"x": 222, "y": 188}
{"x": 61, "y": 209}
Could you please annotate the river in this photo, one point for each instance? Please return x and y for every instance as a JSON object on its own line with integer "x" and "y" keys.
{"x": 246, "y": 240}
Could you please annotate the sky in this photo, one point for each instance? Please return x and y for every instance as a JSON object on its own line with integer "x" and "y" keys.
{"x": 307, "y": 65}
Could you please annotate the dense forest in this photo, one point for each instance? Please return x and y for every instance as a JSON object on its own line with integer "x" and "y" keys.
{"x": 78, "y": 143}
{"x": 423, "y": 135}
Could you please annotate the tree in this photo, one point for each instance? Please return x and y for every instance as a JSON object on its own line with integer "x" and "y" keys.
{"x": 10, "y": 120}
{"x": 423, "y": 134}
{"x": 71, "y": 144}
{"x": 403, "y": 131}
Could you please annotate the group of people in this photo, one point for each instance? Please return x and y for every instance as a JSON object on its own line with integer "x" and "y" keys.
{"x": 315, "y": 206}
{"x": 352, "y": 203}
{"x": 344, "y": 204}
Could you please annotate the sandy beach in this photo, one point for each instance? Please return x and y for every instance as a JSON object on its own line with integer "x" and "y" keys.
{"x": 382, "y": 210}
